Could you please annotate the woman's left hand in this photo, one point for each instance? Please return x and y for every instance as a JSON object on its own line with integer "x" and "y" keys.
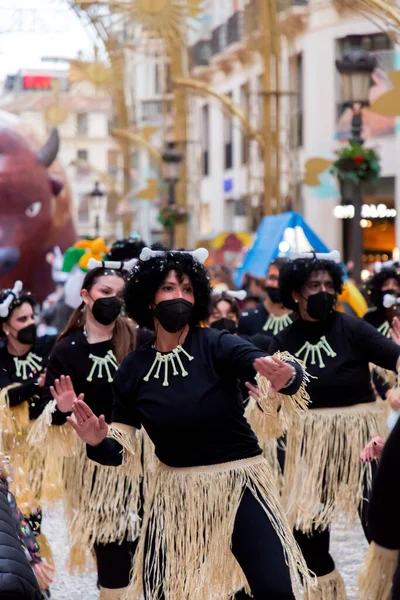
{"x": 275, "y": 370}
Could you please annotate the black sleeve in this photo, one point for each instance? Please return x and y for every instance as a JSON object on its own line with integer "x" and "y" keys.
{"x": 108, "y": 453}
{"x": 123, "y": 387}
{"x": 238, "y": 356}
{"x": 383, "y": 512}
{"x": 55, "y": 368}
{"x": 24, "y": 391}
{"x": 274, "y": 346}
{"x": 374, "y": 347}
{"x": 380, "y": 383}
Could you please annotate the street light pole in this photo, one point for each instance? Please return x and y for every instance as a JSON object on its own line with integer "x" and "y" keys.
{"x": 96, "y": 194}
{"x": 355, "y": 70}
{"x": 171, "y": 163}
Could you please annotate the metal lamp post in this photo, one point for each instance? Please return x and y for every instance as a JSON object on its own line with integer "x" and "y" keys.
{"x": 96, "y": 195}
{"x": 171, "y": 161}
{"x": 355, "y": 70}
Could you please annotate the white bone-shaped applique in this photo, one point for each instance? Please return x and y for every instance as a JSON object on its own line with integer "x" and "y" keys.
{"x": 389, "y": 264}
{"x": 200, "y": 254}
{"x": 334, "y": 256}
{"x": 116, "y": 265}
{"x": 14, "y": 293}
{"x": 389, "y": 300}
{"x": 235, "y": 294}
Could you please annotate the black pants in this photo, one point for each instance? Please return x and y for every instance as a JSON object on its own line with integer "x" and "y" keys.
{"x": 114, "y": 563}
{"x": 315, "y": 545}
{"x": 257, "y": 548}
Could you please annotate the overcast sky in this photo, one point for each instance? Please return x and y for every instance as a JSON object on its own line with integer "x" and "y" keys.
{"x": 60, "y": 34}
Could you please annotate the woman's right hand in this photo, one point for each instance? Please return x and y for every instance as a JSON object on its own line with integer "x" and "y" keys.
{"x": 373, "y": 450}
{"x": 63, "y": 393}
{"x": 91, "y": 429}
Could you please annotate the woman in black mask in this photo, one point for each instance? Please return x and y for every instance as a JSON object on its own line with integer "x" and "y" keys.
{"x": 324, "y": 477}
{"x": 225, "y": 311}
{"x": 101, "y": 507}
{"x": 23, "y": 360}
{"x": 213, "y": 519}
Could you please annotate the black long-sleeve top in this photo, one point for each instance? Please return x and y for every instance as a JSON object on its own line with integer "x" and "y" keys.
{"x": 91, "y": 367}
{"x": 25, "y": 371}
{"x": 377, "y": 317}
{"x": 197, "y": 419}
{"x": 337, "y": 353}
{"x": 383, "y": 511}
{"x": 253, "y": 322}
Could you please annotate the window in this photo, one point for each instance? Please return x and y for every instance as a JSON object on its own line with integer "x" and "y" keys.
{"x": 82, "y": 123}
{"x": 206, "y": 138}
{"x": 228, "y": 139}
{"x": 157, "y": 78}
{"x": 82, "y": 154}
{"x": 244, "y": 105}
{"x": 113, "y": 163}
{"x": 82, "y": 170}
{"x": 299, "y": 90}
{"x": 168, "y": 78}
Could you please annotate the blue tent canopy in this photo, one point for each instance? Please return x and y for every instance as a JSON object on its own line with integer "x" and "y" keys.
{"x": 288, "y": 227}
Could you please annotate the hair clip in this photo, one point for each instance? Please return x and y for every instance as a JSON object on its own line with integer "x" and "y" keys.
{"x": 13, "y": 295}
{"x": 201, "y": 254}
{"x": 115, "y": 265}
{"x": 389, "y": 300}
{"x": 334, "y": 256}
{"x": 235, "y": 294}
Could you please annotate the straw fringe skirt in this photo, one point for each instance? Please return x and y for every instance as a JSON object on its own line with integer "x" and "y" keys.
{"x": 323, "y": 476}
{"x": 189, "y": 522}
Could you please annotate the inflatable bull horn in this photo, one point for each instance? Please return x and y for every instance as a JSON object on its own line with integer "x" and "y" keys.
{"x": 48, "y": 153}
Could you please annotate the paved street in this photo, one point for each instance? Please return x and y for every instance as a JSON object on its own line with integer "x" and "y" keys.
{"x": 348, "y": 547}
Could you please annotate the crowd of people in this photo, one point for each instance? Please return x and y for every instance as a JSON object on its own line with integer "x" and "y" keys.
{"x": 203, "y": 439}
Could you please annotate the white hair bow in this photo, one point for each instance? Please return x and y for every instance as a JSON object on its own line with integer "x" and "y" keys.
{"x": 334, "y": 256}
{"x": 14, "y": 293}
{"x": 201, "y": 254}
{"x": 116, "y": 265}
{"x": 236, "y": 294}
{"x": 389, "y": 300}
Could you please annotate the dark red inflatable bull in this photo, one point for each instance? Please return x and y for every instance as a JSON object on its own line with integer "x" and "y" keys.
{"x": 35, "y": 206}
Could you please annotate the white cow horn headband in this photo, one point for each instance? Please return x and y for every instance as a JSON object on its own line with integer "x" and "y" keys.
{"x": 235, "y": 294}
{"x": 115, "y": 265}
{"x": 13, "y": 295}
{"x": 201, "y": 254}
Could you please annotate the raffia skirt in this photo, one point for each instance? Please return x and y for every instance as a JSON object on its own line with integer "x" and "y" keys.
{"x": 324, "y": 477}
{"x": 185, "y": 549}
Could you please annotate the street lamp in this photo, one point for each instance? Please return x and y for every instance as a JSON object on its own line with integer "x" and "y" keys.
{"x": 96, "y": 196}
{"x": 355, "y": 69}
{"x": 171, "y": 162}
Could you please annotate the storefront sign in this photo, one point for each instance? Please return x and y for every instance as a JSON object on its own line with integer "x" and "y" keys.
{"x": 368, "y": 211}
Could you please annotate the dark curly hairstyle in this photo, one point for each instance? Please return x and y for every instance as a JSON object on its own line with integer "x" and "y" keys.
{"x": 147, "y": 276}
{"x": 375, "y": 283}
{"x": 294, "y": 274}
{"x": 223, "y": 297}
{"x": 126, "y": 249}
{"x": 23, "y": 296}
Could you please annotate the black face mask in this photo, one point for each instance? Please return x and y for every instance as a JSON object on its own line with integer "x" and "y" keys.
{"x": 274, "y": 294}
{"x": 173, "y": 315}
{"x": 106, "y": 310}
{"x": 27, "y": 335}
{"x": 228, "y": 324}
{"x": 320, "y": 305}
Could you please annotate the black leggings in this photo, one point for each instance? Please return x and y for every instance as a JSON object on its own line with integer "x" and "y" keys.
{"x": 114, "y": 563}
{"x": 258, "y": 549}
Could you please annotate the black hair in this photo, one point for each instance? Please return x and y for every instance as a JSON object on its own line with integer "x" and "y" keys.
{"x": 223, "y": 297}
{"x": 147, "y": 276}
{"x": 375, "y": 283}
{"x": 278, "y": 262}
{"x": 294, "y": 274}
{"x": 126, "y": 249}
{"x": 23, "y": 297}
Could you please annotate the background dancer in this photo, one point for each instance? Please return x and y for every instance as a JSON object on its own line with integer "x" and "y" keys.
{"x": 324, "y": 477}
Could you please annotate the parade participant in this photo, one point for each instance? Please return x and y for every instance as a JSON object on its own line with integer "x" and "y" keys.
{"x": 323, "y": 474}
{"x": 270, "y": 317}
{"x": 23, "y": 360}
{"x": 126, "y": 249}
{"x": 213, "y": 498}
{"x": 102, "y": 507}
{"x": 380, "y": 577}
{"x": 385, "y": 281}
{"x": 225, "y": 311}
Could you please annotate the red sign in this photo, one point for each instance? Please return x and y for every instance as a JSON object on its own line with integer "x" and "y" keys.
{"x": 36, "y": 82}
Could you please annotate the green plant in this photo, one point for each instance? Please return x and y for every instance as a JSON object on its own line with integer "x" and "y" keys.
{"x": 171, "y": 215}
{"x": 356, "y": 163}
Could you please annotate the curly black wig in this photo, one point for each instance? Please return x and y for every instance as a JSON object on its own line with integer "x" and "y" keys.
{"x": 147, "y": 276}
{"x": 126, "y": 249}
{"x": 23, "y": 297}
{"x": 294, "y": 274}
{"x": 375, "y": 283}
